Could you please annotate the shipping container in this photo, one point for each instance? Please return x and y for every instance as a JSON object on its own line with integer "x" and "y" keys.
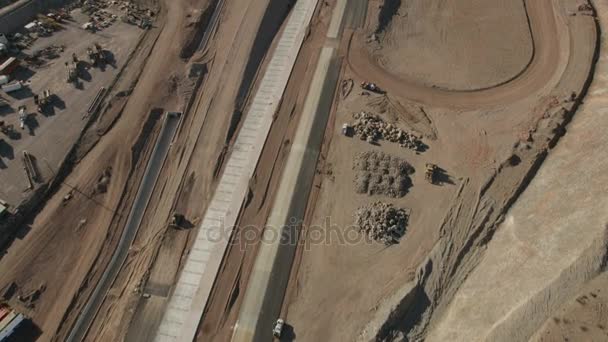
{"x": 8, "y": 66}
{"x": 7, "y": 320}
{"x": 7, "y": 88}
{"x": 3, "y": 312}
{"x": 11, "y": 328}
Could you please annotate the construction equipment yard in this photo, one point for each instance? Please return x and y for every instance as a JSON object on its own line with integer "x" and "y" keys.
{"x": 337, "y": 170}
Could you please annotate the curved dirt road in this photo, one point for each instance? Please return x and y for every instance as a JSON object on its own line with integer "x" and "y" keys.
{"x": 551, "y": 44}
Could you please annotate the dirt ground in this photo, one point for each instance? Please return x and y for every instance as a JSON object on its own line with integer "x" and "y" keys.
{"x": 438, "y": 43}
{"x": 552, "y": 243}
{"x": 66, "y": 241}
{"x": 62, "y": 122}
{"x": 583, "y": 318}
{"x": 187, "y": 182}
{"x": 156, "y": 81}
{"x": 489, "y": 142}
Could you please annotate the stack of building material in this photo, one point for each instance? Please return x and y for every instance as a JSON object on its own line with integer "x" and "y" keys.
{"x": 378, "y": 173}
{"x": 382, "y": 222}
{"x": 372, "y": 128}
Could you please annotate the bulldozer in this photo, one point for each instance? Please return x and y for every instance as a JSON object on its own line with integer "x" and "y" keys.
{"x": 96, "y": 55}
{"x": 431, "y": 173}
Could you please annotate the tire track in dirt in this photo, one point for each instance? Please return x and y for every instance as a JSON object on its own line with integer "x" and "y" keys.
{"x": 548, "y": 42}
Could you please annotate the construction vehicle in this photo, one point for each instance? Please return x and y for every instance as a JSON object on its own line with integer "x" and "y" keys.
{"x": 431, "y": 173}
{"x": 277, "y": 330}
{"x": 43, "y": 99}
{"x": 7, "y": 130}
{"x": 372, "y": 87}
{"x": 101, "y": 56}
{"x": 96, "y": 55}
{"x": 177, "y": 221}
{"x": 72, "y": 71}
{"x": 92, "y": 56}
{"x": 346, "y": 130}
{"x": 22, "y": 117}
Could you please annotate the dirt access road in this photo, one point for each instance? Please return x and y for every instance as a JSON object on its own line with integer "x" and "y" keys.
{"x": 489, "y": 144}
{"x": 68, "y": 243}
{"x": 547, "y": 31}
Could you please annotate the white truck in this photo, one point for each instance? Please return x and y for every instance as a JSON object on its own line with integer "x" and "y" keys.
{"x": 278, "y": 328}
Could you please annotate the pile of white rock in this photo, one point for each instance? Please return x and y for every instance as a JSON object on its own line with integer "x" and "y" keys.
{"x": 382, "y": 222}
{"x": 371, "y": 127}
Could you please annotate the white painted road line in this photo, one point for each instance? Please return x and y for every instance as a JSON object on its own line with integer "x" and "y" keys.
{"x": 183, "y": 314}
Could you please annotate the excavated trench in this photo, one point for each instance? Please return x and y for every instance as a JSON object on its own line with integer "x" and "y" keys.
{"x": 202, "y": 23}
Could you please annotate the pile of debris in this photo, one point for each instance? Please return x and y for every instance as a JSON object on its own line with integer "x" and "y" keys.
{"x": 103, "y": 19}
{"x": 371, "y": 127}
{"x": 380, "y": 173}
{"x": 382, "y": 222}
{"x": 21, "y": 41}
{"x": 49, "y": 52}
{"x": 136, "y": 15}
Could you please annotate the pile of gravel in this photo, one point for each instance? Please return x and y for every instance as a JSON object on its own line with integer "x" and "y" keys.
{"x": 382, "y": 222}
{"x": 382, "y": 174}
{"x": 372, "y": 128}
